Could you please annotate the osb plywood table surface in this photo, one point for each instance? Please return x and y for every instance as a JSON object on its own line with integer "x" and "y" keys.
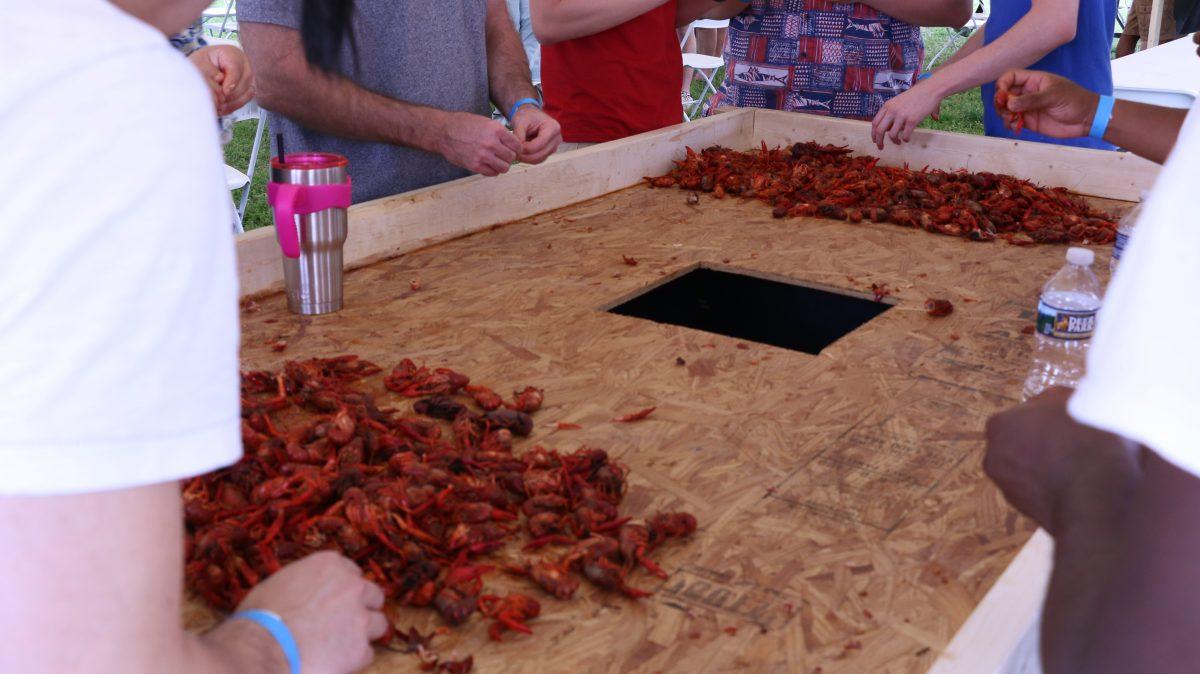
{"x": 845, "y": 522}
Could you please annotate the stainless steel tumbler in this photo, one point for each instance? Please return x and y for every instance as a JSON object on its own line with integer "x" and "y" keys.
{"x": 310, "y": 193}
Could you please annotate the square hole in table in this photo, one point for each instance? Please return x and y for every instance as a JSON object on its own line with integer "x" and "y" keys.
{"x": 755, "y": 309}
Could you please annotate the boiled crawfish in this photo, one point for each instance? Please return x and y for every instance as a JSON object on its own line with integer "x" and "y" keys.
{"x": 416, "y": 501}
{"x": 822, "y": 180}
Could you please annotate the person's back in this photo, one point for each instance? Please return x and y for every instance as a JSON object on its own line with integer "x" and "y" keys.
{"x": 618, "y": 82}
{"x": 842, "y": 60}
{"x": 67, "y": 233}
{"x": 1085, "y": 59}
{"x": 426, "y": 52}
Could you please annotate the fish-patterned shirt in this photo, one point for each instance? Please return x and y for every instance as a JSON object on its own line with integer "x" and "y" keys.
{"x": 843, "y": 59}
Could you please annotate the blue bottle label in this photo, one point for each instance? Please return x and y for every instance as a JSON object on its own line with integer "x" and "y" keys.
{"x": 1119, "y": 246}
{"x": 1065, "y": 323}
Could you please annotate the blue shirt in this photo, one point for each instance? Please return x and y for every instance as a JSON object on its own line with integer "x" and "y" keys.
{"x": 1086, "y": 60}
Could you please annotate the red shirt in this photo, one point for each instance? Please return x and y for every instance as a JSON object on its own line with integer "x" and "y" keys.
{"x": 616, "y": 83}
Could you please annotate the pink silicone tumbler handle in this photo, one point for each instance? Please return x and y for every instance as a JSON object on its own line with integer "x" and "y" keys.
{"x": 290, "y": 200}
{"x": 282, "y": 196}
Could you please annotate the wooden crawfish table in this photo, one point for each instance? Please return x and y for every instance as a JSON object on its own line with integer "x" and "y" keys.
{"x": 845, "y": 522}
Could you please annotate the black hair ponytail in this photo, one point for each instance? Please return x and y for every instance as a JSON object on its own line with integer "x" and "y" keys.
{"x": 325, "y": 25}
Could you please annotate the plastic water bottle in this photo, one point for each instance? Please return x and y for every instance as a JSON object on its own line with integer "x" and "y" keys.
{"x": 1124, "y": 231}
{"x": 1066, "y": 317}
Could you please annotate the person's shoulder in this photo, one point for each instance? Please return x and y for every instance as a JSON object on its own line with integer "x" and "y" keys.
{"x": 121, "y": 113}
{"x": 87, "y": 55}
{"x": 59, "y": 38}
{"x": 284, "y": 13}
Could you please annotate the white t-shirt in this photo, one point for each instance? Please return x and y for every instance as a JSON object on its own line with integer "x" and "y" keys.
{"x": 1143, "y": 374}
{"x": 118, "y": 294}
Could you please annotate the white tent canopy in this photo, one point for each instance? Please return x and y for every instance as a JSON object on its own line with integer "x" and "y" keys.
{"x": 1167, "y": 75}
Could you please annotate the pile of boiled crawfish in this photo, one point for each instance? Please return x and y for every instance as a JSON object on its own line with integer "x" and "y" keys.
{"x": 809, "y": 179}
{"x": 413, "y": 501}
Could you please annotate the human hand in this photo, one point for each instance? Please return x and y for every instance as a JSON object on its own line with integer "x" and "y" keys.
{"x": 1051, "y": 105}
{"x": 331, "y": 610}
{"x": 539, "y": 133}
{"x": 227, "y": 71}
{"x": 1053, "y": 469}
{"x": 900, "y": 115}
{"x": 477, "y": 144}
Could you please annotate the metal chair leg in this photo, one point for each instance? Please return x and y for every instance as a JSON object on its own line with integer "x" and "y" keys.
{"x": 258, "y": 136}
{"x": 237, "y": 217}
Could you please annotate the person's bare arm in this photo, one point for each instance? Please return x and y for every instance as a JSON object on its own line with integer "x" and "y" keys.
{"x": 687, "y": 11}
{"x": 727, "y": 9}
{"x": 93, "y": 583}
{"x": 559, "y": 20}
{"x": 1059, "y": 108}
{"x": 508, "y": 66}
{"x": 1078, "y": 484}
{"x": 1048, "y": 25}
{"x": 969, "y": 47}
{"x": 1130, "y": 35}
{"x": 332, "y": 104}
{"x": 952, "y": 13}
{"x": 1146, "y": 130}
{"x": 539, "y": 134}
{"x": 1148, "y": 606}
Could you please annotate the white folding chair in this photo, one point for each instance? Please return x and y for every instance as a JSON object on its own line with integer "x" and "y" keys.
{"x": 707, "y": 67}
{"x": 249, "y": 111}
{"x": 258, "y": 138}
{"x": 226, "y": 14}
{"x": 701, "y": 63}
{"x": 234, "y": 180}
{"x": 954, "y": 36}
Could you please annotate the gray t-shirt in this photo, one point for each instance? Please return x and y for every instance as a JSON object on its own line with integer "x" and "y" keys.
{"x": 430, "y": 52}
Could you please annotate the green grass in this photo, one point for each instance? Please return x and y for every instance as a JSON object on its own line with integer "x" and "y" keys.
{"x": 962, "y": 112}
{"x": 237, "y": 155}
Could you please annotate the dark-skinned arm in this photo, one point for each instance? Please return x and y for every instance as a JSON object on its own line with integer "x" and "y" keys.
{"x": 1149, "y": 607}
{"x": 1077, "y": 483}
{"x": 1059, "y": 108}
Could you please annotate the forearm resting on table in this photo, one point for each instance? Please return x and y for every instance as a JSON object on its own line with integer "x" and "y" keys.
{"x": 951, "y": 13}
{"x": 1039, "y": 32}
{"x": 559, "y": 20}
{"x": 1146, "y": 130}
{"x": 288, "y": 85}
{"x": 102, "y": 574}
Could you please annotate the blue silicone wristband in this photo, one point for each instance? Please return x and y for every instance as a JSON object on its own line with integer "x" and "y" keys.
{"x": 1103, "y": 115}
{"x": 278, "y": 630}
{"x": 517, "y": 106}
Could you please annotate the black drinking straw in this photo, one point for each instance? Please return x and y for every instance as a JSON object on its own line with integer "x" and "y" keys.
{"x": 279, "y": 146}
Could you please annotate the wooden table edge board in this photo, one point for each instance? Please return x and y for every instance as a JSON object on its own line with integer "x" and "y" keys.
{"x": 999, "y": 636}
